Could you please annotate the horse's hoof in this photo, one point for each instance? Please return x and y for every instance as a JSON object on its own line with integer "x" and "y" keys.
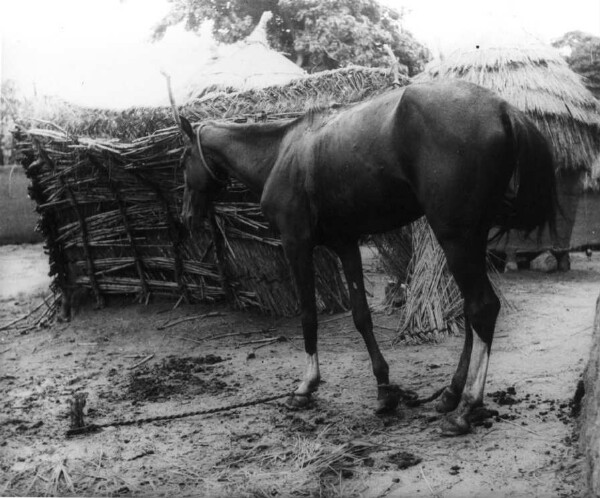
{"x": 448, "y": 402}
{"x": 455, "y": 425}
{"x": 388, "y": 397}
{"x": 298, "y": 401}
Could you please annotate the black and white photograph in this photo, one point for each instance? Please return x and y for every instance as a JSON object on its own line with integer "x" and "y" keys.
{"x": 300, "y": 248}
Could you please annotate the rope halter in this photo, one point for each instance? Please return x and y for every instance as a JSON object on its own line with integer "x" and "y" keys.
{"x": 202, "y": 158}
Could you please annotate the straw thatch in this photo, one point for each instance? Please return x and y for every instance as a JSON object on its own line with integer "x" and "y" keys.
{"x": 441, "y": 312}
{"x": 109, "y": 208}
{"x": 431, "y": 302}
{"x": 253, "y": 65}
{"x": 347, "y": 85}
{"x": 536, "y": 79}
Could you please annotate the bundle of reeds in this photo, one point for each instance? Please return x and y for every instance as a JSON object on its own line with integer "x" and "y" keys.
{"x": 395, "y": 250}
{"x": 433, "y": 306}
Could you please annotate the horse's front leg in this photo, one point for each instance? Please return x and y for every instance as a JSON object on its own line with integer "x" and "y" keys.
{"x": 388, "y": 395}
{"x": 300, "y": 258}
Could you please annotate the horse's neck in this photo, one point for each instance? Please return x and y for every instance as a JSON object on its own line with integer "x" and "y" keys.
{"x": 249, "y": 157}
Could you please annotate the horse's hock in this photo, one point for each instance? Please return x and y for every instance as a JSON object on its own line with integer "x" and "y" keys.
{"x": 590, "y": 419}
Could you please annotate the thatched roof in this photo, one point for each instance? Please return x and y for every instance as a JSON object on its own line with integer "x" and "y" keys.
{"x": 536, "y": 79}
{"x": 350, "y": 84}
{"x": 253, "y": 65}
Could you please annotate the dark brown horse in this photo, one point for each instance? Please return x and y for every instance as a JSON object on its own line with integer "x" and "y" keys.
{"x": 444, "y": 150}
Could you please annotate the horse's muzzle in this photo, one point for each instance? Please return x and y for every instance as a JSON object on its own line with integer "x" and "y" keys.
{"x": 193, "y": 220}
{"x": 188, "y": 220}
{"x": 195, "y": 209}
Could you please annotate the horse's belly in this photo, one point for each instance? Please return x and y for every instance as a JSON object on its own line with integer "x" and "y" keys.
{"x": 366, "y": 210}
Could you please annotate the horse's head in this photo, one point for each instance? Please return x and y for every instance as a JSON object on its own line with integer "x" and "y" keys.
{"x": 202, "y": 179}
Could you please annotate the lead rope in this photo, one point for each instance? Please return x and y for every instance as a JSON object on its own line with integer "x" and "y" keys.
{"x": 96, "y": 427}
{"x": 409, "y": 397}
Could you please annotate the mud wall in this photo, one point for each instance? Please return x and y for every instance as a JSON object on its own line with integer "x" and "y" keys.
{"x": 18, "y": 220}
{"x": 569, "y": 190}
{"x": 586, "y": 230}
{"x": 590, "y": 427}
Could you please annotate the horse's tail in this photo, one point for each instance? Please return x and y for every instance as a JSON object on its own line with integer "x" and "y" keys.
{"x": 530, "y": 202}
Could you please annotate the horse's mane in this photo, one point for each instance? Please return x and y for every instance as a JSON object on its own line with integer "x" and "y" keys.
{"x": 259, "y": 127}
{"x": 313, "y": 113}
{"x": 317, "y": 110}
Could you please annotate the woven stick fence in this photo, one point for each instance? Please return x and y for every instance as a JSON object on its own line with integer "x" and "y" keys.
{"x": 109, "y": 214}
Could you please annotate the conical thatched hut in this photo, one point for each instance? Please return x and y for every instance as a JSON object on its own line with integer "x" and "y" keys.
{"x": 253, "y": 65}
{"x": 537, "y": 80}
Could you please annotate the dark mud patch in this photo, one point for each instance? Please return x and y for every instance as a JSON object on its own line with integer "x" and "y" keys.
{"x": 403, "y": 459}
{"x": 177, "y": 376}
{"x": 528, "y": 406}
{"x": 482, "y": 417}
{"x": 505, "y": 397}
{"x": 182, "y": 377}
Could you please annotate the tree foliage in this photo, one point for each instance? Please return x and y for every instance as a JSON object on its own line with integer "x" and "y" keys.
{"x": 316, "y": 34}
{"x": 584, "y": 57}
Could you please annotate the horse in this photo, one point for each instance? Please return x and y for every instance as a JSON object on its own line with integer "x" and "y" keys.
{"x": 452, "y": 151}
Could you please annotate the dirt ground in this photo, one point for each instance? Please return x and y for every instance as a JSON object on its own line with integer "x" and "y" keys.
{"x": 338, "y": 447}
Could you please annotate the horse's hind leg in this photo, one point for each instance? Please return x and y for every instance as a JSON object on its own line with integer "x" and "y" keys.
{"x": 466, "y": 260}
{"x": 349, "y": 254}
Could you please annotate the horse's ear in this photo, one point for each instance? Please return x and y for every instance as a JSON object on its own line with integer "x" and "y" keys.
{"x": 186, "y": 127}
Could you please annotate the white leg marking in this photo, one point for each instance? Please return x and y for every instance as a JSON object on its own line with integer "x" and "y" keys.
{"x": 312, "y": 375}
{"x": 480, "y": 357}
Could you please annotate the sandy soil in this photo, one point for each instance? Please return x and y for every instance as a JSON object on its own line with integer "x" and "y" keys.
{"x": 338, "y": 447}
{"x": 23, "y": 272}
